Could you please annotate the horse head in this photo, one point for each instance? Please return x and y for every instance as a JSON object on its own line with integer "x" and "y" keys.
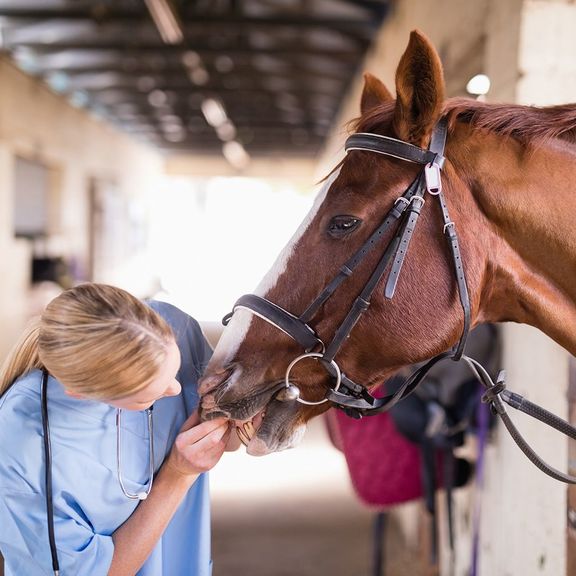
{"x": 412, "y": 318}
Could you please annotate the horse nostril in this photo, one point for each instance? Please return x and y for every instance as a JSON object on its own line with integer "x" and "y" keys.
{"x": 213, "y": 379}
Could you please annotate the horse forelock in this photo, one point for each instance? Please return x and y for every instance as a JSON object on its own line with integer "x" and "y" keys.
{"x": 377, "y": 120}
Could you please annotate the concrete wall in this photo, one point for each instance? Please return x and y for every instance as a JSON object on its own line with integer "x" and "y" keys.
{"x": 526, "y": 47}
{"x": 42, "y": 126}
{"x": 547, "y": 44}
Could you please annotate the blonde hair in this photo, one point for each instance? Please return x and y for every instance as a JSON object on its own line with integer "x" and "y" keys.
{"x": 97, "y": 340}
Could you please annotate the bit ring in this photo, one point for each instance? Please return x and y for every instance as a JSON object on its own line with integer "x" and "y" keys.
{"x": 317, "y": 356}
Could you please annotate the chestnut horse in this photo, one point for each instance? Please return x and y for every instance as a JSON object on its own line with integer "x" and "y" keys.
{"x": 506, "y": 176}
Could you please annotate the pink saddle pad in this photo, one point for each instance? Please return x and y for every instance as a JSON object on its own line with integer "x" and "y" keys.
{"x": 384, "y": 467}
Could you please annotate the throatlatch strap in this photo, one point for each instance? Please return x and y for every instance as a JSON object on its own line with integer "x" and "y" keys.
{"x": 450, "y": 234}
{"x": 437, "y": 144}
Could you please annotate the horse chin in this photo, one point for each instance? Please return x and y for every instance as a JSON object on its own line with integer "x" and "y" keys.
{"x": 279, "y": 429}
{"x": 261, "y": 446}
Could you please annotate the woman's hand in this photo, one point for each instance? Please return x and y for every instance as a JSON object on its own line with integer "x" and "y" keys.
{"x": 199, "y": 445}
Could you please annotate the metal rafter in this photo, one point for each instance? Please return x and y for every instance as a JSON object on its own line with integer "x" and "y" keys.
{"x": 211, "y": 22}
{"x": 138, "y": 47}
{"x": 281, "y": 69}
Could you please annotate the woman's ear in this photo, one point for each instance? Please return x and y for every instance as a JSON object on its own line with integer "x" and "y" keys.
{"x": 419, "y": 91}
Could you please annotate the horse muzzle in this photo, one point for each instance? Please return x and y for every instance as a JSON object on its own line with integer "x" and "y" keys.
{"x": 273, "y": 410}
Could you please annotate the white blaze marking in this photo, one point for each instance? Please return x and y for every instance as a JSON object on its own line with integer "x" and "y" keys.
{"x": 236, "y": 331}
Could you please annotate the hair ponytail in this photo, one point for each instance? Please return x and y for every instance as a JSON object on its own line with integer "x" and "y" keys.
{"x": 23, "y": 357}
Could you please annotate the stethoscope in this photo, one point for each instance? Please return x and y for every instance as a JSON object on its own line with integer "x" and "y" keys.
{"x": 48, "y": 470}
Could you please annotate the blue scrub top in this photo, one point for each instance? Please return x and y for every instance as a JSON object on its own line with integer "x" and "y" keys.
{"x": 89, "y": 504}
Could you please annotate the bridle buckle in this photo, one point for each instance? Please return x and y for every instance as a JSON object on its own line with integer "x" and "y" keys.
{"x": 433, "y": 178}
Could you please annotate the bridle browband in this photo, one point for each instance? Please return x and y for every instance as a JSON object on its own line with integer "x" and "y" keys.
{"x": 346, "y": 394}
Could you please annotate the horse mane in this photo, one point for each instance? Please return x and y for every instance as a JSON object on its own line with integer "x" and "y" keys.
{"x": 531, "y": 125}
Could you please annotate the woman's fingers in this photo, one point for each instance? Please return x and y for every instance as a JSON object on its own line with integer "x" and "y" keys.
{"x": 201, "y": 429}
{"x": 191, "y": 421}
{"x": 194, "y": 420}
{"x": 198, "y": 449}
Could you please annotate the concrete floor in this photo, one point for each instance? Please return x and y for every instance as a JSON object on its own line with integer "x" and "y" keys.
{"x": 295, "y": 514}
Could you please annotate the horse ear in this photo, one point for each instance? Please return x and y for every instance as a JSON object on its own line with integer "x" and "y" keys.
{"x": 374, "y": 93}
{"x": 419, "y": 91}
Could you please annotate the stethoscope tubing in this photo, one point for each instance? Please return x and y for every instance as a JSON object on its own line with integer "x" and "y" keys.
{"x": 48, "y": 474}
{"x": 142, "y": 495}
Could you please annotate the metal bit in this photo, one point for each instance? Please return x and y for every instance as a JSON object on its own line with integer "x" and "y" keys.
{"x": 289, "y": 393}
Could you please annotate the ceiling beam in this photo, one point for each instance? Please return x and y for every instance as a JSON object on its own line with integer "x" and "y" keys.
{"x": 185, "y": 87}
{"x": 192, "y": 21}
{"x": 193, "y": 120}
{"x": 267, "y": 135}
{"x": 138, "y": 48}
{"x": 138, "y": 68}
{"x": 378, "y": 8}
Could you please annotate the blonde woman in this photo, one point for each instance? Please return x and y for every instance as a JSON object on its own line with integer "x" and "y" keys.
{"x": 100, "y": 483}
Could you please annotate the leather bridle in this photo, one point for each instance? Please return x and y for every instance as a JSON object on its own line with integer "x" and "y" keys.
{"x": 354, "y": 398}
{"x": 346, "y": 394}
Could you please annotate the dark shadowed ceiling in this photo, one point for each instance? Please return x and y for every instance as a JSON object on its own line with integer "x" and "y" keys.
{"x": 193, "y": 75}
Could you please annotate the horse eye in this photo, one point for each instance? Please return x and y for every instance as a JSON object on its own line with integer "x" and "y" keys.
{"x": 341, "y": 225}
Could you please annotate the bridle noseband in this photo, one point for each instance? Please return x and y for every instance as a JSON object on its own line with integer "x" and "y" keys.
{"x": 346, "y": 394}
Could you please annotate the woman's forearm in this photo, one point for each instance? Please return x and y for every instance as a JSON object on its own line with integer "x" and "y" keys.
{"x": 136, "y": 538}
{"x": 197, "y": 449}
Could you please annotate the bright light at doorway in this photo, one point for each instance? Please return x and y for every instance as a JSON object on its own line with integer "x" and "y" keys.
{"x": 213, "y": 240}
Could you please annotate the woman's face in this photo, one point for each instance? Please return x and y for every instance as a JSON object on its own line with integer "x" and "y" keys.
{"x": 165, "y": 384}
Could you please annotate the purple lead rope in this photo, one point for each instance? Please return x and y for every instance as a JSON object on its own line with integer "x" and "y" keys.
{"x": 483, "y": 417}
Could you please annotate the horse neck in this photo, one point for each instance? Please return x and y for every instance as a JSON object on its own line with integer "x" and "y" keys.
{"x": 527, "y": 200}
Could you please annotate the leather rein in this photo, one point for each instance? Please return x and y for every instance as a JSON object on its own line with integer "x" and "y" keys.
{"x": 347, "y": 395}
